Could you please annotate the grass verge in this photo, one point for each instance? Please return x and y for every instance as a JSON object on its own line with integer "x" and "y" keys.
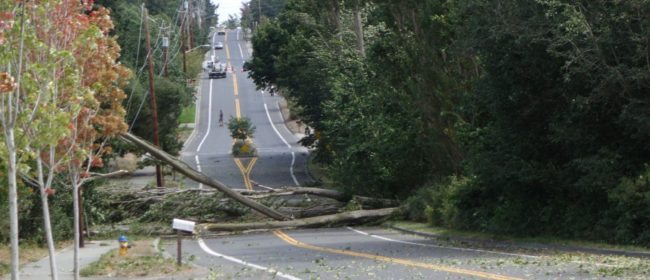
{"x": 188, "y": 114}
{"x": 142, "y": 260}
{"x": 319, "y": 173}
{"x": 443, "y": 232}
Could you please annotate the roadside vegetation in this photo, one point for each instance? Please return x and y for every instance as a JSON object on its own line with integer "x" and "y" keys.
{"x": 82, "y": 83}
{"x": 509, "y": 118}
{"x": 188, "y": 114}
{"x": 525, "y": 118}
{"x": 142, "y": 260}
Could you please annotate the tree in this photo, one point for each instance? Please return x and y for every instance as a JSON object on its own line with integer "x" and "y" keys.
{"x": 10, "y": 93}
{"x": 559, "y": 121}
{"x": 241, "y": 128}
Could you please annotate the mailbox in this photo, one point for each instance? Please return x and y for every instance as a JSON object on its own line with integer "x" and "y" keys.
{"x": 183, "y": 225}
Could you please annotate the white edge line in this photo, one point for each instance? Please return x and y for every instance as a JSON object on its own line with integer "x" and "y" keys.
{"x": 293, "y": 155}
{"x": 209, "y": 119}
{"x": 198, "y": 168}
{"x": 268, "y": 115}
{"x": 240, "y": 51}
{"x": 293, "y": 176}
{"x": 277, "y": 103}
{"x": 437, "y": 246}
{"x": 242, "y": 262}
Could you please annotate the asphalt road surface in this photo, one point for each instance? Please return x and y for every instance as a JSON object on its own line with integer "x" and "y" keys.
{"x": 339, "y": 253}
{"x": 280, "y": 160}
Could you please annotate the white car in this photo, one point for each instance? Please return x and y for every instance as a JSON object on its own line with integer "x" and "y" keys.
{"x": 218, "y": 45}
{"x": 207, "y": 65}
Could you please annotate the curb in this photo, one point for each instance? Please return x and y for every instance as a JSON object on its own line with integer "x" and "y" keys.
{"x": 530, "y": 246}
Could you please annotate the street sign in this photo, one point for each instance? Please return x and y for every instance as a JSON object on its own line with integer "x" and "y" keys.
{"x": 183, "y": 225}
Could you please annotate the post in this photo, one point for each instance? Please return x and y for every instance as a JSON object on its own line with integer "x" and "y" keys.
{"x": 184, "y": 47}
{"x": 152, "y": 93}
{"x": 179, "y": 242}
{"x": 189, "y": 26}
{"x": 181, "y": 226}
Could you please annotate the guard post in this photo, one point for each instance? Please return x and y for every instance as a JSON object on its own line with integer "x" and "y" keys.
{"x": 181, "y": 226}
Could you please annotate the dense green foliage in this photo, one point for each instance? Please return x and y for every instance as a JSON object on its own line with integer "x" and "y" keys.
{"x": 521, "y": 117}
{"x": 172, "y": 94}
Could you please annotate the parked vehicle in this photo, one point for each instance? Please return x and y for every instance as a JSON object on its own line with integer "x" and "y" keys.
{"x": 218, "y": 71}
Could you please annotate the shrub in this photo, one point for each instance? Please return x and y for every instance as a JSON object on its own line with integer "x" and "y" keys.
{"x": 436, "y": 203}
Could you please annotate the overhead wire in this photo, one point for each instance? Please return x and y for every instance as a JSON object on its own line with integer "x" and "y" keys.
{"x": 145, "y": 94}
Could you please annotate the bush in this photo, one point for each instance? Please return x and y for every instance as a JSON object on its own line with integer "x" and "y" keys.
{"x": 241, "y": 128}
{"x": 631, "y": 209}
{"x": 243, "y": 148}
{"x": 436, "y": 203}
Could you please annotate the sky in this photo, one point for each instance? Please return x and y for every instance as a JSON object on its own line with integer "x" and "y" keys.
{"x": 228, "y": 7}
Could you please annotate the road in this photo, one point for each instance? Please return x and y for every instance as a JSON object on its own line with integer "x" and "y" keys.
{"x": 338, "y": 253}
{"x": 280, "y": 160}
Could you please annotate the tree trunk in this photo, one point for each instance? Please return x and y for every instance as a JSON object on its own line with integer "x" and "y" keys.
{"x": 47, "y": 224}
{"x": 75, "y": 206}
{"x": 358, "y": 28}
{"x": 13, "y": 203}
{"x": 353, "y": 217}
{"x": 336, "y": 18}
{"x": 199, "y": 177}
{"x": 374, "y": 203}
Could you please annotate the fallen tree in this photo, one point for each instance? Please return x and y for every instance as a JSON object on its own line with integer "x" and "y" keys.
{"x": 347, "y": 218}
{"x": 284, "y": 215}
{"x": 201, "y": 178}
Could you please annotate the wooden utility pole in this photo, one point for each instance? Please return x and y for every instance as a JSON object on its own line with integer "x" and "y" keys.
{"x": 184, "y": 47}
{"x": 189, "y": 26}
{"x": 152, "y": 93}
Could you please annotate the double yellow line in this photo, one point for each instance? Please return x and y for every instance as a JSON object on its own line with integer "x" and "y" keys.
{"x": 286, "y": 238}
{"x": 246, "y": 171}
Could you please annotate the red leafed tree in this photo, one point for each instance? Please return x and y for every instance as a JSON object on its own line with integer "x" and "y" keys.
{"x": 66, "y": 97}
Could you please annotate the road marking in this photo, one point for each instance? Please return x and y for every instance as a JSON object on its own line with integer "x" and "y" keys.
{"x": 246, "y": 171}
{"x": 240, "y": 50}
{"x": 207, "y": 132}
{"x": 438, "y": 246}
{"x": 198, "y": 168}
{"x": 293, "y": 155}
{"x": 274, "y": 272}
{"x": 286, "y": 238}
{"x": 234, "y": 83}
{"x": 237, "y": 109}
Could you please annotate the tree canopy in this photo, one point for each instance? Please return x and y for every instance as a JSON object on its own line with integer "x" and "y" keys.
{"x": 537, "y": 109}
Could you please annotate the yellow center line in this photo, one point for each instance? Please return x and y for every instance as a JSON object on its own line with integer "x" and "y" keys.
{"x": 280, "y": 234}
{"x": 250, "y": 166}
{"x": 237, "y": 108}
{"x": 234, "y": 83}
{"x": 246, "y": 171}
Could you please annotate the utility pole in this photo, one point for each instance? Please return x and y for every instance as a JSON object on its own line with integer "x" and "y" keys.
{"x": 152, "y": 92}
{"x": 189, "y": 25}
{"x": 184, "y": 47}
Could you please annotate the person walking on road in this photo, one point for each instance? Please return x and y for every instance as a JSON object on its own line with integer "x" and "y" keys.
{"x": 220, "y": 117}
